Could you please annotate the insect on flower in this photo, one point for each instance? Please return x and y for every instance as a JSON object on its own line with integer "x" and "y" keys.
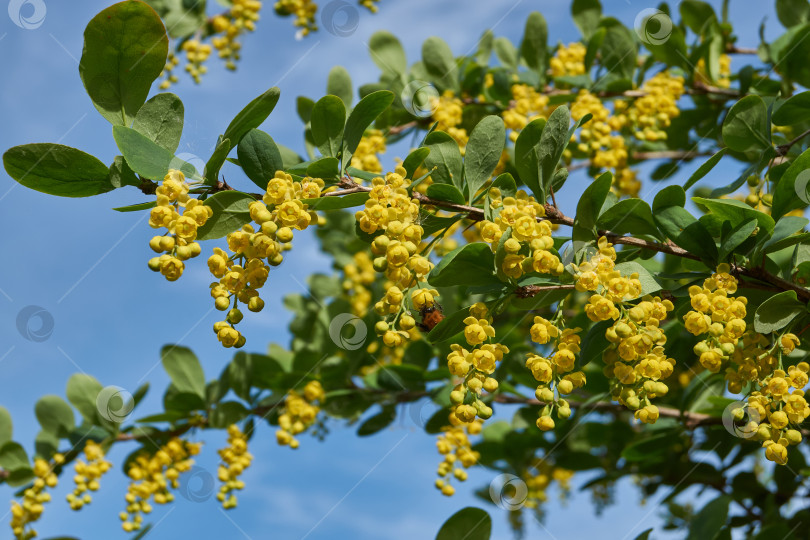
{"x": 431, "y": 316}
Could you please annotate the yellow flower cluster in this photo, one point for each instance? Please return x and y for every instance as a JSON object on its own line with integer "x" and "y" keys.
{"x": 300, "y": 412}
{"x": 653, "y": 112}
{"x": 235, "y": 459}
{"x": 196, "y": 54}
{"x": 303, "y": 11}
{"x": 454, "y": 444}
{"x": 168, "y": 77}
{"x": 777, "y": 404}
{"x": 636, "y": 361}
{"x": 88, "y": 474}
{"x": 447, "y": 110}
{"x": 370, "y": 5}
{"x": 527, "y": 248}
{"x": 152, "y": 477}
{"x": 244, "y": 272}
{"x": 358, "y": 277}
{"x": 777, "y": 410}
{"x": 22, "y": 515}
{"x": 539, "y": 477}
{"x": 366, "y": 157}
{"x": 557, "y": 370}
{"x": 568, "y": 60}
{"x": 475, "y": 366}
{"x": 527, "y": 105}
{"x": 239, "y": 19}
{"x": 177, "y": 244}
{"x": 390, "y": 209}
{"x": 717, "y": 312}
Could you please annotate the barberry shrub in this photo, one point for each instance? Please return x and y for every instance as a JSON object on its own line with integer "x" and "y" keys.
{"x": 680, "y": 322}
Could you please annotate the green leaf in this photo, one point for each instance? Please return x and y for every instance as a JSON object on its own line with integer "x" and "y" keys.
{"x": 776, "y": 312}
{"x": 792, "y": 58}
{"x": 55, "y": 415}
{"x": 534, "y": 47}
{"x": 6, "y": 426}
{"x": 506, "y": 53}
{"x": 445, "y": 192}
{"x": 697, "y": 15}
{"x": 736, "y": 212}
{"x": 526, "y": 160}
{"x": 57, "y": 170}
{"x": 215, "y": 162}
{"x": 629, "y": 216}
{"x": 553, "y": 141}
{"x": 335, "y": 203}
{"x": 484, "y": 52}
{"x": 136, "y": 207}
{"x": 704, "y": 169}
{"x": 147, "y": 158}
{"x": 586, "y": 14}
{"x": 792, "y": 12}
{"x": 327, "y": 121}
{"x": 444, "y": 161}
{"x": 414, "y": 160}
{"x": 469, "y": 523}
{"x": 303, "y": 106}
{"x": 649, "y": 284}
{"x": 161, "y": 120}
{"x": 339, "y": 84}
{"x": 710, "y": 520}
{"x": 363, "y": 115}
{"x": 439, "y": 63}
{"x": 795, "y": 110}
{"x": 82, "y": 392}
{"x": 227, "y": 413}
{"x": 470, "y": 264}
{"x": 746, "y": 126}
{"x": 682, "y": 228}
{"x": 13, "y": 457}
{"x": 259, "y": 157}
{"x": 378, "y": 422}
{"x": 125, "y": 49}
{"x": 594, "y": 344}
{"x": 121, "y": 174}
{"x": 669, "y": 196}
{"x": 737, "y": 236}
{"x": 231, "y": 211}
{"x": 184, "y": 369}
{"x": 618, "y": 49}
{"x": 589, "y": 205}
{"x": 328, "y": 168}
{"x": 387, "y": 52}
{"x": 784, "y": 229}
{"x": 791, "y": 191}
{"x": 483, "y": 152}
{"x": 448, "y": 327}
{"x": 645, "y": 535}
{"x": 252, "y": 116}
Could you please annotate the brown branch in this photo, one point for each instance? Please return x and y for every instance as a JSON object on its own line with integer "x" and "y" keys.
{"x": 731, "y": 49}
{"x": 783, "y": 149}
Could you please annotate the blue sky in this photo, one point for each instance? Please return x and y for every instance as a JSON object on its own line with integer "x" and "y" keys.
{"x": 86, "y": 266}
